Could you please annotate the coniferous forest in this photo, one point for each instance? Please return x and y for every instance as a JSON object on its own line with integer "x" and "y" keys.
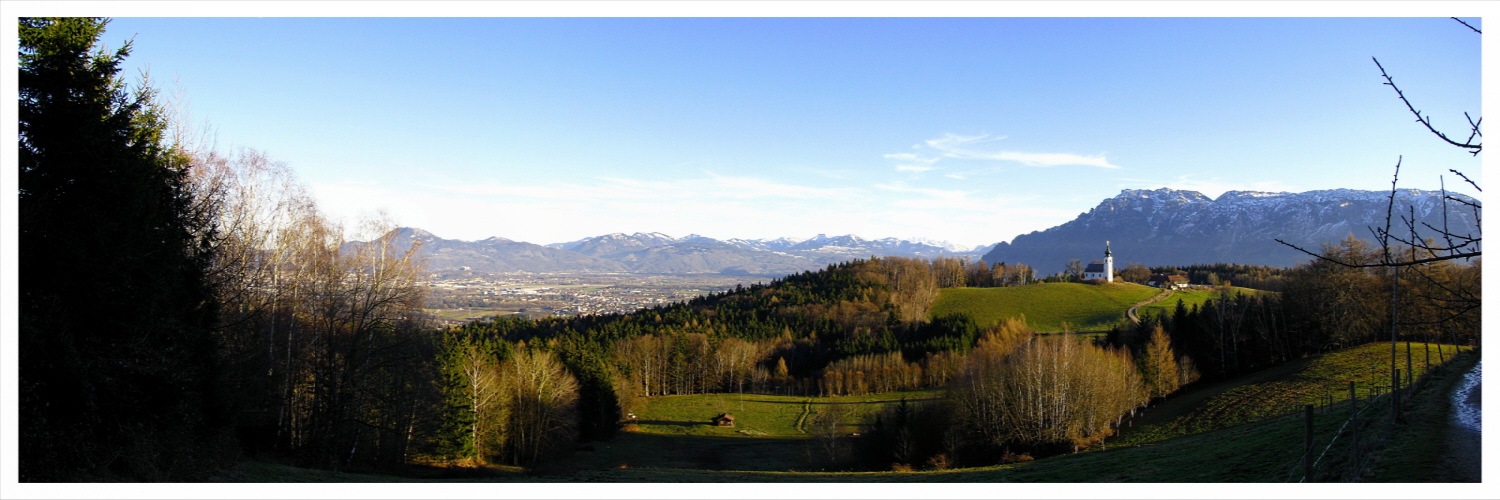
{"x": 183, "y": 308}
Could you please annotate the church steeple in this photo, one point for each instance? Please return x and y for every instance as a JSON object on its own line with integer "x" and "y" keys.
{"x": 1109, "y": 263}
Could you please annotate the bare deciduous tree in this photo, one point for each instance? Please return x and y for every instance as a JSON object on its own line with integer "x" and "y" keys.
{"x": 485, "y": 391}
{"x": 542, "y": 400}
{"x": 318, "y": 331}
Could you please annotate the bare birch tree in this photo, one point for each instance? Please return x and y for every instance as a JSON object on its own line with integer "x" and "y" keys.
{"x": 542, "y": 397}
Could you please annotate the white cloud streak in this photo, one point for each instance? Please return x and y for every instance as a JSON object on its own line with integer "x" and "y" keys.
{"x": 963, "y": 147}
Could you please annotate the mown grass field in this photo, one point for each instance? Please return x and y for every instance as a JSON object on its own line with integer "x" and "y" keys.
{"x": 1316, "y": 380}
{"x": 674, "y": 442}
{"x": 1048, "y": 307}
{"x": 770, "y": 432}
{"x": 759, "y": 415}
{"x": 1189, "y": 298}
{"x": 1259, "y": 452}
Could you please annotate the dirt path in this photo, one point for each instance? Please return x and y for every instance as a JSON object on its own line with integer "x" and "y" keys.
{"x": 1130, "y": 313}
{"x": 1463, "y": 453}
{"x": 802, "y": 419}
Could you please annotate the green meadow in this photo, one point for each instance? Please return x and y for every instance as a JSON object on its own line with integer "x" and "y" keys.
{"x": 1243, "y": 439}
{"x": 1318, "y": 380}
{"x": 760, "y": 415}
{"x": 1190, "y": 298}
{"x": 1047, "y": 307}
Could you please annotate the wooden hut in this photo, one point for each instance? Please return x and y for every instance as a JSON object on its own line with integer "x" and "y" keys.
{"x": 724, "y": 420}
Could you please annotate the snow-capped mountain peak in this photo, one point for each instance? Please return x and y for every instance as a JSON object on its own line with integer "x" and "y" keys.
{"x": 1177, "y": 227}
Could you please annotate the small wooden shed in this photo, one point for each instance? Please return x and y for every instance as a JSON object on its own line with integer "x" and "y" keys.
{"x": 724, "y": 420}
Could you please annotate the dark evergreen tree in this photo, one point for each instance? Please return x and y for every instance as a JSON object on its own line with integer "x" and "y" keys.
{"x": 116, "y": 353}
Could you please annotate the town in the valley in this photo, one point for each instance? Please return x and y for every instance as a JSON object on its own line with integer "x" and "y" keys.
{"x": 457, "y": 298}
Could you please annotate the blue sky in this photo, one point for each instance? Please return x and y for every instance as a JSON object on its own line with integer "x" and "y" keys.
{"x": 971, "y": 130}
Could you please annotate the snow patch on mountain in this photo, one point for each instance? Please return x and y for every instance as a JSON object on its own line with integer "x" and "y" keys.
{"x": 1178, "y": 227}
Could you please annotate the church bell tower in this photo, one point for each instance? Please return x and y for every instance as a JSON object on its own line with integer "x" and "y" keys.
{"x": 1109, "y": 263}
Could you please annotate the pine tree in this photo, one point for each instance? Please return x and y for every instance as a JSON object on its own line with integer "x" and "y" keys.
{"x": 116, "y": 350}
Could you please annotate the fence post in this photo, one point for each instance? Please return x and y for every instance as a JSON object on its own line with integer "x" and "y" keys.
{"x": 1409, "y": 372}
{"x": 1354, "y": 439}
{"x": 1353, "y": 401}
{"x": 1396, "y": 394}
{"x": 1307, "y": 452}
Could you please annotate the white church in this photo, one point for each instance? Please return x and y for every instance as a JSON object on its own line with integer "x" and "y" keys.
{"x": 1101, "y": 270}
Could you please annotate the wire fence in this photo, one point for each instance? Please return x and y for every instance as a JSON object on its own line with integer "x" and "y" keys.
{"x": 1368, "y": 416}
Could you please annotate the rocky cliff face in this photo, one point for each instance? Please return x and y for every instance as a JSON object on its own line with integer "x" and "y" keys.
{"x": 1172, "y": 227}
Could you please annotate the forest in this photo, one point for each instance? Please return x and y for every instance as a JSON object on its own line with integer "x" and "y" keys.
{"x": 183, "y": 308}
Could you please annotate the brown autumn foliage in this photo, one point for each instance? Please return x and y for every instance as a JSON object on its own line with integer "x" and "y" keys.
{"x": 541, "y": 406}
{"x": 1046, "y": 393}
{"x": 1158, "y": 365}
{"x": 321, "y": 334}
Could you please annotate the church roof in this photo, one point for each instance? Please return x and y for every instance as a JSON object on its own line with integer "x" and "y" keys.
{"x": 1094, "y": 267}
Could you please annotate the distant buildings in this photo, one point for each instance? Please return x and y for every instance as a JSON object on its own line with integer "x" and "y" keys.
{"x": 1168, "y": 281}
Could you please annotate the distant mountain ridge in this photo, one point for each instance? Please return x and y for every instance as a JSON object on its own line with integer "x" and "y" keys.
{"x": 497, "y": 255}
{"x": 661, "y": 254}
{"x": 1153, "y": 227}
{"x": 1178, "y": 227}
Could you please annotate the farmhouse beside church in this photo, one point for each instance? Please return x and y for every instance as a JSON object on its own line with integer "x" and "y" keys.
{"x": 1104, "y": 271}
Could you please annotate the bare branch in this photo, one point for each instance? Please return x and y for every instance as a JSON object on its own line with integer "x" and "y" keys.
{"x": 1474, "y": 148}
{"x": 1466, "y": 179}
{"x": 1451, "y": 316}
{"x": 1461, "y": 21}
{"x": 1466, "y": 255}
{"x": 1462, "y": 202}
{"x": 1385, "y": 244}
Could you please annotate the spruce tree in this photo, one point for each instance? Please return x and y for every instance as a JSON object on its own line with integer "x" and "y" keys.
{"x": 116, "y": 348}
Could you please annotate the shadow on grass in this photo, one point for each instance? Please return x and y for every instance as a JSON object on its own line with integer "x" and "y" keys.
{"x": 835, "y": 402}
{"x": 855, "y": 400}
{"x": 674, "y": 423}
{"x": 633, "y": 450}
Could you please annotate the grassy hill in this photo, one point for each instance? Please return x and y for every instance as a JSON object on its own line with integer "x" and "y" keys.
{"x": 760, "y": 415}
{"x": 1189, "y": 298}
{"x": 1317, "y": 380}
{"x": 1048, "y": 307}
{"x": 675, "y": 444}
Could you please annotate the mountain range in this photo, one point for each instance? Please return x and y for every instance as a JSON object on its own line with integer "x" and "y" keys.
{"x": 658, "y": 253}
{"x": 1165, "y": 227}
{"x": 1159, "y": 227}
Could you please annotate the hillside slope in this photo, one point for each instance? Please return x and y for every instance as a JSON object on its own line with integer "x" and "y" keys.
{"x": 1048, "y": 307}
{"x": 1263, "y": 451}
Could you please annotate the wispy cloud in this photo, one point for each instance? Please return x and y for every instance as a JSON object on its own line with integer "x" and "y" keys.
{"x": 972, "y": 147}
{"x": 910, "y": 162}
{"x": 1041, "y": 159}
{"x": 951, "y": 141}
